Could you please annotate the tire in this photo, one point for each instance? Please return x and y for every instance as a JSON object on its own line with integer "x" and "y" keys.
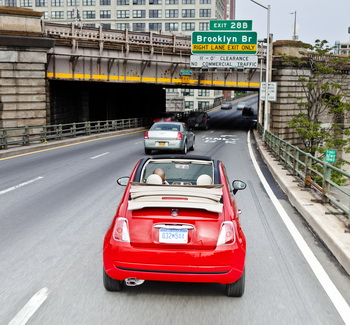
{"x": 148, "y": 151}
{"x": 192, "y": 148}
{"x": 111, "y": 284}
{"x": 184, "y": 150}
{"x": 236, "y": 289}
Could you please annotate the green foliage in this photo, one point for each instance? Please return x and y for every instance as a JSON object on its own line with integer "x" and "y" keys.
{"x": 319, "y": 76}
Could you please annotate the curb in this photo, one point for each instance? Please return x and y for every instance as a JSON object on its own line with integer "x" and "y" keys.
{"x": 326, "y": 225}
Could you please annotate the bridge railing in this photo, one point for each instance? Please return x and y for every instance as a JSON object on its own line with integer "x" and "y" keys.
{"x": 116, "y": 36}
{"x": 313, "y": 173}
{"x": 25, "y": 136}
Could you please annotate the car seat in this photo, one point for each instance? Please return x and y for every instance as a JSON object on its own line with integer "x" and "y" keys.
{"x": 154, "y": 179}
{"x": 204, "y": 179}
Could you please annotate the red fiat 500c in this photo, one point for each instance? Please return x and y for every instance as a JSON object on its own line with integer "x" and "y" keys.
{"x": 177, "y": 221}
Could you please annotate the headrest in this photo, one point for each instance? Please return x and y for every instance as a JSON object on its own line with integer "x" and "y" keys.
{"x": 204, "y": 180}
{"x": 154, "y": 179}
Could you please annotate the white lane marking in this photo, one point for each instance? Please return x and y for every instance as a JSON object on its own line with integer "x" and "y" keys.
{"x": 20, "y": 185}
{"x": 98, "y": 156}
{"x": 335, "y": 296}
{"x": 30, "y": 307}
{"x": 139, "y": 142}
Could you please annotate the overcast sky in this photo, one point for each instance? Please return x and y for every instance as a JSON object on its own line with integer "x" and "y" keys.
{"x": 315, "y": 19}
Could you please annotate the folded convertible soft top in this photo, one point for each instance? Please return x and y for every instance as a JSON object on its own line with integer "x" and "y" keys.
{"x": 175, "y": 196}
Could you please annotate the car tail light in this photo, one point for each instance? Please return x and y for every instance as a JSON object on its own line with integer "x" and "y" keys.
{"x": 227, "y": 234}
{"x": 121, "y": 230}
{"x": 179, "y": 136}
{"x": 145, "y": 136}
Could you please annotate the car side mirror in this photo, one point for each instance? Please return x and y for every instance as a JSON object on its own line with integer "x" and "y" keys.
{"x": 238, "y": 185}
{"x": 123, "y": 181}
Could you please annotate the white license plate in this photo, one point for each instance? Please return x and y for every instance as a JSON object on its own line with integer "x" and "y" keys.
{"x": 197, "y": 124}
{"x": 162, "y": 144}
{"x": 173, "y": 236}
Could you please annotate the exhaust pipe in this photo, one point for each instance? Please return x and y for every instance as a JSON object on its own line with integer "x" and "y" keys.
{"x": 132, "y": 282}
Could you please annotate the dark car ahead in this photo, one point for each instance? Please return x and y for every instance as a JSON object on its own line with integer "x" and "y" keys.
{"x": 198, "y": 120}
{"x": 247, "y": 111}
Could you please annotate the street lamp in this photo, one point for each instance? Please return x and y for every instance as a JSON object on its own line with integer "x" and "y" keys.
{"x": 266, "y": 110}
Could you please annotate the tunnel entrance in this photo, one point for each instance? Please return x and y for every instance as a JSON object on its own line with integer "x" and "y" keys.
{"x": 74, "y": 101}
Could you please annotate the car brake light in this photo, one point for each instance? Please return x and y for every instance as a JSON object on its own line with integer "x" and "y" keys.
{"x": 227, "y": 234}
{"x": 179, "y": 136}
{"x": 121, "y": 230}
{"x": 145, "y": 135}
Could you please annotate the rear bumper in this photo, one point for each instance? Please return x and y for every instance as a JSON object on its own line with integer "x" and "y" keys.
{"x": 221, "y": 265}
{"x": 170, "y": 145}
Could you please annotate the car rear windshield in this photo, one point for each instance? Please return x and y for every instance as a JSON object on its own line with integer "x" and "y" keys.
{"x": 165, "y": 127}
{"x": 179, "y": 171}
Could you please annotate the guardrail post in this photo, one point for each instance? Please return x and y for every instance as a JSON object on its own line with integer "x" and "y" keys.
{"x": 59, "y": 131}
{"x": 43, "y": 134}
{"x": 308, "y": 163}
{"x": 296, "y": 162}
{"x": 325, "y": 184}
{"x": 74, "y": 130}
{"x": 87, "y": 128}
{"x": 26, "y": 136}
{"x": 3, "y": 140}
{"x": 98, "y": 127}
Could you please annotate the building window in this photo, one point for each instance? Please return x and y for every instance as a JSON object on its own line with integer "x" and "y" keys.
{"x": 123, "y": 14}
{"x": 26, "y": 3}
{"x": 89, "y": 2}
{"x": 105, "y": 14}
{"x": 138, "y": 13}
{"x": 155, "y": 14}
{"x": 172, "y": 13}
{"x": 205, "y": 2}
{"x": 89, "y": 25}
{"x": 171, "y": 2}
{"x": 41, "y": 3}
{"x": 57, "y": 3}
{"x": 203, "y": 92}
{"x": 10, "y": 3}
{"x": 89, "y": 14}
{"x": 138, "y": 27}
{"x": 187, "y": 92}
{"x": 204, "y": 12}
{"x": 106, "y": 26}
{"x": 187, "y": 27}
{"x": 122, "y": 2}
{"x": 203, "y": 26}
{"x": 189, "y": 105}
{"x": 171, "y": 27}
{"x": 57, "y": 14}
{"x": 155, "y": 2}
{"x": 155, "y": 26}
{"x": 122, "y": 26}
{"x": 105, "y": 2}
{"x": 139, "y": 2}
{"x": 72, "y": 3}
{"x": 203, "y": 105}
{"x": 188, "y": 2}
{"x": 187, "y": 13}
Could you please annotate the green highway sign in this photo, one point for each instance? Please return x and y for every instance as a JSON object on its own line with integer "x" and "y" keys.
{"x": 185, "y": 72}
{"x": 217, "y": 42}
{"x": 331, "y": 155}
{"x": 230, "y": 24}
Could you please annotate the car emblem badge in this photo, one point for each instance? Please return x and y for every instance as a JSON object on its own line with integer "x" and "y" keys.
{"x": 174, "y": 212}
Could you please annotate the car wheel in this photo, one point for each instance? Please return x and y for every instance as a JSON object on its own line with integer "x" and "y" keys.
{"x": 184, "y": 150}
{"x": 192, "y": 148}
{"x": 148, "y": 151}
{"x": 236, "y": 289}
{"x": 111, "y": 284}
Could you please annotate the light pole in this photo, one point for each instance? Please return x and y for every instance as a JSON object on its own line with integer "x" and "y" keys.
{"x": 266, "y": 109}
{"x": 295, "y": 37}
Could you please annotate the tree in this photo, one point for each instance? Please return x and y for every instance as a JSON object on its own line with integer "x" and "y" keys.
{"x": 323, "y": 104}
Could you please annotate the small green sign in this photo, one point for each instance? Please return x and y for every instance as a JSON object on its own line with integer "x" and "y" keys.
{"x": 331, "y": 155}
{"x": 217, "y": 42}
{"x": 185, "y": 72}
{"x": 230, "y": 24}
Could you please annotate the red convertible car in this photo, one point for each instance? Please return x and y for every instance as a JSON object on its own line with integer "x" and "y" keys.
{"x": 177, "y": 221}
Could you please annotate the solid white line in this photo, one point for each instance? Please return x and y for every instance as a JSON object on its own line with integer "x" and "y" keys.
{"x": 98, "y": 156}
{"x": 337, "y": 299}
{"x": 30, "y": 307}
{"x": 20, "y": 185}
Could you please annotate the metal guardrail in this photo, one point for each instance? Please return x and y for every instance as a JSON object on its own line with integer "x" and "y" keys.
{"x": 313, "y": 172}
{"x": 25, "y": 136}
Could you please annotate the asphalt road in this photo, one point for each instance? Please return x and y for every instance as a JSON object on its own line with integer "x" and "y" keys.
{"x": 56, "y": 205}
